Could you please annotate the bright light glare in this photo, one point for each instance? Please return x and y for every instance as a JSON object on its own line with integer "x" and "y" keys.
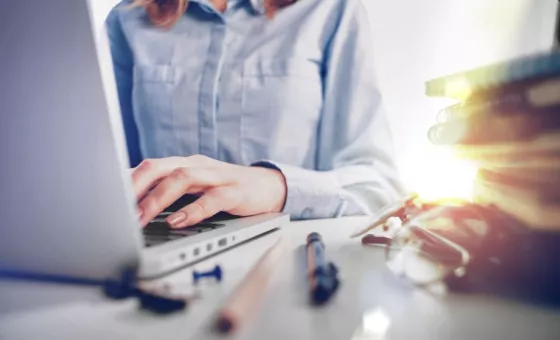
{"x": 376, "y": 321}
{"x": 473, "y": 33}
{"x": 375, "y": 324}
{"x": 434, "y": 172}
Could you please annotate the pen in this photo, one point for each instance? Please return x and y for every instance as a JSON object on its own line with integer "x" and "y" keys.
{"x": 322, "y": 275}
{"x": 249, "y": 292}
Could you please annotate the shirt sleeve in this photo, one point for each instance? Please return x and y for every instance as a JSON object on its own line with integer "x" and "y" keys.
{"x": 123, "y": 68}
{"x": 356, "y": 174}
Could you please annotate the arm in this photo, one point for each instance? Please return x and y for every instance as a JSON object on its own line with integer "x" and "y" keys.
{"x": 123, "y": 64}
{"x": 356, "y": 174}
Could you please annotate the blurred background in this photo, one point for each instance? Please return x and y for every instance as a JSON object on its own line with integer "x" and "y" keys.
{"x": 415, "y": 40}
{"x": 418, "y": 40}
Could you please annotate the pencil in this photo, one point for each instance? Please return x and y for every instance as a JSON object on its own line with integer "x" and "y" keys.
{"x": 371, "y": 226}
{"x": 248, "y": 294}
{"x": 391, "y": 210}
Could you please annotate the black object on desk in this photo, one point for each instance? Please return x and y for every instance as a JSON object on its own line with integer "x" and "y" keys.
{"x": 114, "y": 288}
{"x": 322, "y": 275}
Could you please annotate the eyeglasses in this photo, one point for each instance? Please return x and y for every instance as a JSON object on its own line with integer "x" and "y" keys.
{"x": 433, "y": 241}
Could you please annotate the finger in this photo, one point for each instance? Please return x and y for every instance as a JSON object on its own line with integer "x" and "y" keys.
{"x": 205, "y": 207}
{"x": 179, "y": 182}
{"x": 147, "y": 175}
{"x": 151, "y": 171}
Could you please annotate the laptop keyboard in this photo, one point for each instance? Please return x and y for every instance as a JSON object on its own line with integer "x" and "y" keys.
{"x": 158, "y": 230}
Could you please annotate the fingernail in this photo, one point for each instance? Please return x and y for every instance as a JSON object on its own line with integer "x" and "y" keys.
{"x": 140, "y": 213}
{"x": 176, "y": 218}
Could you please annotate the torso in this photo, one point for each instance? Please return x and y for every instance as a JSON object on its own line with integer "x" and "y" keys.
{"x": 235, "y": 87}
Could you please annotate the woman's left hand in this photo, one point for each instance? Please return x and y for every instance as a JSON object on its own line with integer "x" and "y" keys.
{"x": 238, "y": 190}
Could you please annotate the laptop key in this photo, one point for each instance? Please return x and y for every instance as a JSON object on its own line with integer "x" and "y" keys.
{"x": 151, "y": 240}
{"x": 185, "y": 232}
{"x": 217, "y": 225}
{"x": 158, "y": 231}
{"x": 161, "y": 218}
{"x": 202, "y": 227}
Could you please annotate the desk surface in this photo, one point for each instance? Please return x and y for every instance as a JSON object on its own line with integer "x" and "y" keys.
{"x": 371, "y": 303}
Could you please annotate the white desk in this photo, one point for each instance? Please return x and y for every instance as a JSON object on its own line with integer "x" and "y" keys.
{"x": 370, "y": 304}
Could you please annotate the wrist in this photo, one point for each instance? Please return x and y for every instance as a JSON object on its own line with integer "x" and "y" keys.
{"x": 277, "y": 182}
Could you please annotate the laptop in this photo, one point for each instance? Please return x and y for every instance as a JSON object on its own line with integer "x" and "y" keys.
{"x": 66, "y": 200}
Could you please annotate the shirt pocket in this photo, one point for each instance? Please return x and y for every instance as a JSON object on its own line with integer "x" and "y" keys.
{"x": 281, "y": 106}
{"x": 152, "y": 100}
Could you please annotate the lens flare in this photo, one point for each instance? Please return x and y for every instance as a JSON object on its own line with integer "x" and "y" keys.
{"x": 436, "y": 173}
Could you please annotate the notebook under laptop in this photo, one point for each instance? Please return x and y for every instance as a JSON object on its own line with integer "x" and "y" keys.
{"x": 67, "y": 205}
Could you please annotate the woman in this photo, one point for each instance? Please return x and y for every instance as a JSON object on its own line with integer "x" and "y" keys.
{"x": 257, "y": 106}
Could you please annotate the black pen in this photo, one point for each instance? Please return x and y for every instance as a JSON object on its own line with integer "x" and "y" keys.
{"x": 322, "y": 275}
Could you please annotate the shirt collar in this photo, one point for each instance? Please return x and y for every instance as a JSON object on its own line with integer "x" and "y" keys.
{"x": 257, "y": 5}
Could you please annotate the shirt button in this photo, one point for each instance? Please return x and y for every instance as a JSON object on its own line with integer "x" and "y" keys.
{"x": 307, "y": 213}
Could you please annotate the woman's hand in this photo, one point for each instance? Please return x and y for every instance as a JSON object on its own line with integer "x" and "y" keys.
{"x": 235, "y": 189}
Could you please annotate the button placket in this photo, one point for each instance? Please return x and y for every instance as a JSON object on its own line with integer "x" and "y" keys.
{"x": 209, "y": 93}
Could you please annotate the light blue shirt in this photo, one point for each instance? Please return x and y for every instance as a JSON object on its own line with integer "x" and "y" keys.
{"x": 297, "y": 91}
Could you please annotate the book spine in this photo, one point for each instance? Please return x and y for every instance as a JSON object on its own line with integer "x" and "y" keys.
{"x": 507, "y": 103}
{"x": 480, "y": 129}
{"x": 511, "y": 179}
{"x": 461, "y": 84}
{"x": 542, "y": 192}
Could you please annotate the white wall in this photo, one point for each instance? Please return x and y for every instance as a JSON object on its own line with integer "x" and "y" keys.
{"x": 101, "y": 9}
{"x": 415, "y": 40}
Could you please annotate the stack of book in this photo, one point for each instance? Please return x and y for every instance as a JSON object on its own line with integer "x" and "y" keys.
{"x": 507, "y": 120}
